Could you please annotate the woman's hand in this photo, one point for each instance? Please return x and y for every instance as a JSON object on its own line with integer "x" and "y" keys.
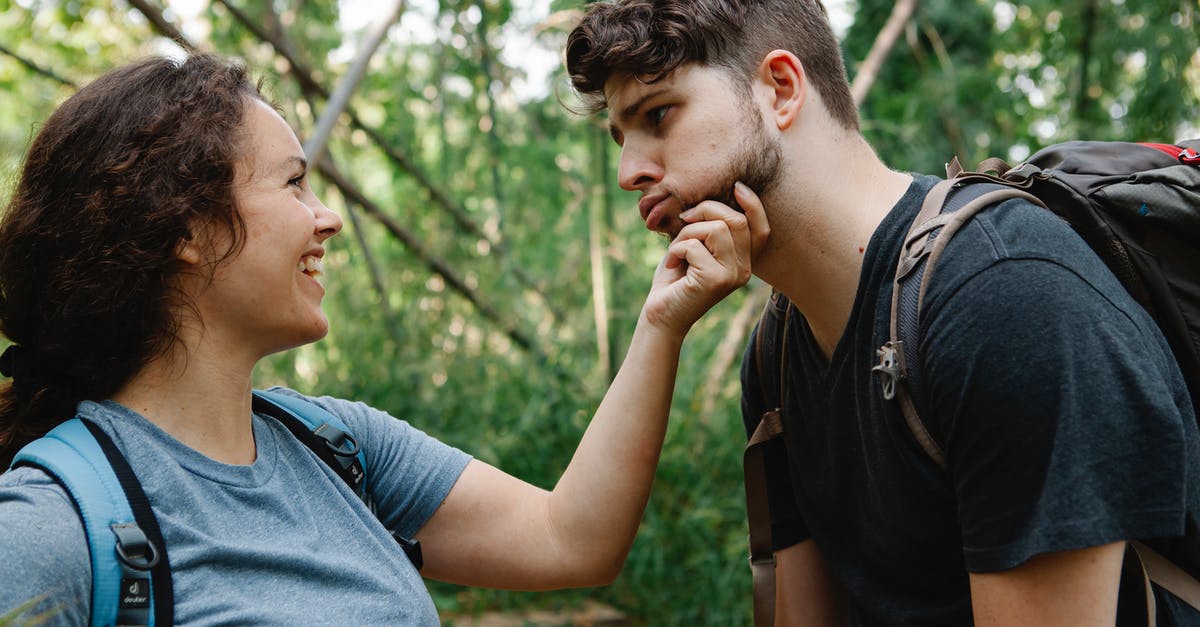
{"x": 498, "y": 531}
{"x": 708, "y": 260}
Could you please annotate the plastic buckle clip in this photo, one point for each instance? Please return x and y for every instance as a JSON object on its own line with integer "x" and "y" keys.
{"x": 890, "y": 368}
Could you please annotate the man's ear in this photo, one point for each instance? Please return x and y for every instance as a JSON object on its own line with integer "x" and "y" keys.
{"x": 782, "y": 73}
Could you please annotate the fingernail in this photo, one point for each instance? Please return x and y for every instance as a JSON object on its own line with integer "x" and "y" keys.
{"x": 741, "y": 187}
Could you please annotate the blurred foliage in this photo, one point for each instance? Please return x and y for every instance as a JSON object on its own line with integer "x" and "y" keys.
{"x": 974, "y": 78}
{"x": 997, "y": 78}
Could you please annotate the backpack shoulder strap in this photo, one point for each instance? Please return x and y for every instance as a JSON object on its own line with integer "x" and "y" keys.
{"x": 322, "y": 432}
{"x": 334, "y": 443}
{"x": 947, "y": 207}
{"x": 770, "y": 340}
{"x": 125, "y": 543}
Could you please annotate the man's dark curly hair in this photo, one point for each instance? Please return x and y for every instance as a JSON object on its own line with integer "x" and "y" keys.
{"x": 117, "y": 179}
{"x": 651, "y": 38}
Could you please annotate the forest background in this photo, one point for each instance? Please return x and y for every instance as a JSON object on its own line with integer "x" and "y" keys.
{"x": 491, "y": 271}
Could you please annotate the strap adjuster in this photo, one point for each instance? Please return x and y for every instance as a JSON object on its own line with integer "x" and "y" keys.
{"x": 891, "y": 368}
{"x": 134, "y": 549}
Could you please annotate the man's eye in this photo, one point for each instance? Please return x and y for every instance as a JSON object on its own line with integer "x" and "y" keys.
{"x": 656, "y": 115}
{"x": 296, "y": 181}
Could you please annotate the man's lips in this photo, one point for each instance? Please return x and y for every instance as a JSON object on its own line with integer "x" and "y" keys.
{"x": 653, "y": 209}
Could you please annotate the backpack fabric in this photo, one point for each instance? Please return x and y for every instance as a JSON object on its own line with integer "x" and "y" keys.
{"x": 1136, "y": 205}
{"x": 131, "y": 582}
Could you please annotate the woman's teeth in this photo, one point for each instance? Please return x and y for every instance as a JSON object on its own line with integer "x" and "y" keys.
{"x": 311, "y": 266}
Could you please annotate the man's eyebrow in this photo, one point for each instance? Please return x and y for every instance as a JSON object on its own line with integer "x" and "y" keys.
{"x": 631, "y": 110}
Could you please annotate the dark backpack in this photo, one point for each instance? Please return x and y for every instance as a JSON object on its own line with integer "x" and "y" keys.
{"x": 1136, "y": 205}
{"x": 131, "y": 576}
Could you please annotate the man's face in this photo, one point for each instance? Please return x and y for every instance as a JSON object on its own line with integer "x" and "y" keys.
{"x": 688, "y": 138}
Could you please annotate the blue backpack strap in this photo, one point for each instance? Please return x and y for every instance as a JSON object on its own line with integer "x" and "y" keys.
{"x": 334, "y": 443}
{"x": 122, "y": 554}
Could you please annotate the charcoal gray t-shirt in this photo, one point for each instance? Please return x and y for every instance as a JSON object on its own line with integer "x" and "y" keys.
{"x": 281, "y": 541}
{"x": 1065, "y": 421}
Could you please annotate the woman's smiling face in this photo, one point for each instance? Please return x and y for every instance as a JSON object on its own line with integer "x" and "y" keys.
{"x": 267, "y": 296}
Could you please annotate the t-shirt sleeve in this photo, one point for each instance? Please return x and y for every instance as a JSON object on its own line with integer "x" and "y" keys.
{"x": 409, "y": 472}
{"x": 44, "y": 564}
{"x": 1064, "y": 418}
{"x": 787, "y": 525}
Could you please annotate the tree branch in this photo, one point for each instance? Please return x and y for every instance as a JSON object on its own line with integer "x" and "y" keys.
{"x": 868, "y": 71}
{"x": 485, "y": 64}
{"x": 303, "y": 75}
{"x": 162, "y": 25}
{"x": 389, "y": 317}
{"x": 1084, "y": 103}
{"x": 37, "y": 69}
{"x": 393, "y": 325}
{"x": 350, "y": 81}
{"x": 436, "y": 265}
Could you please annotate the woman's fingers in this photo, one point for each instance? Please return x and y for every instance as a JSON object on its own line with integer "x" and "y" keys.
{"x": 756, "y": 215}
{"x": 749, "y": 225}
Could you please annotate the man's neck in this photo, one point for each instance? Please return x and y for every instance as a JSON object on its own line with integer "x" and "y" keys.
{"x": 823, "y": 220}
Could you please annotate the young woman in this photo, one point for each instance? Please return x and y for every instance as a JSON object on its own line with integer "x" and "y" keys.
{"x": 163, "y": 238}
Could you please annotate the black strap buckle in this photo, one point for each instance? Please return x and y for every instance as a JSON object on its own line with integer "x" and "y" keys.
{"x": 412, "y": 548}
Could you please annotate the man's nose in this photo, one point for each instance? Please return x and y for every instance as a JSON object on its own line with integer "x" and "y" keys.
{"x": 638, "y": 168}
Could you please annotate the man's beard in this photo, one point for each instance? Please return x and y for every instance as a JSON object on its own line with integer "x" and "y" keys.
{"x": 757, "y": 164}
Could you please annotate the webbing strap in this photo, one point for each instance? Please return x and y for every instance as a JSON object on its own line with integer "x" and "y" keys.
{"x": 931, "y": 231}
{"x": 762, "y": 555}
{"x": 322, "y": 432}
{"x": 71, "y": 454}
{"x": 770, "y": 427}
{"x": 331, "y": 440}
{"x": 1167, "y": 576}
{"x": 133, "y": 600}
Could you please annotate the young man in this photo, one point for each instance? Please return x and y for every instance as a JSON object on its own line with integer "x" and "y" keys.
{"x": 1065, "y": 421}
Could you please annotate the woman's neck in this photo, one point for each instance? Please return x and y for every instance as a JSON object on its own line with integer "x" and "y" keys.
{"x": 203, "y": 403}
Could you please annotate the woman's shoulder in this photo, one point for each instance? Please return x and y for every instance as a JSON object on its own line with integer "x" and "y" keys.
{"x": 356, "y": 414}
{"x": 44, "y": 553}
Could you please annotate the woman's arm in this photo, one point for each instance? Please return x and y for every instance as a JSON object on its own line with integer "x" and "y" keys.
{"x": 498, "y": 531}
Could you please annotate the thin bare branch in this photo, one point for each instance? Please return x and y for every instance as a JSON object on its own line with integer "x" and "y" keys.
{"x": 162, "y": 24}
{"x": 440, "y": 199}
{"x": 731, "y": 346}
{"x": 884, "y": 42}
{"x": 485, "y": 64}
{"x": 436, "y": 265}
{"x": 36, "y": 69}
{"x": 389, "y": 317}
{"x": 346, "y": 86}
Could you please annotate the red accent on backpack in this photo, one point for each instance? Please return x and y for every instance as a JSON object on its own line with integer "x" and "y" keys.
{"x": 1186, "y": 156}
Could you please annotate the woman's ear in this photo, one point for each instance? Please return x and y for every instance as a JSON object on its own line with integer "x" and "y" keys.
{"x": 188, "y": 250}
{"x": 783, "y": 75}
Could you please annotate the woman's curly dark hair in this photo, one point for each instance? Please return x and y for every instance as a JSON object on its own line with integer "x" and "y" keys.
{"x": 114, "y": 183}
{"x": 649, "y": 39}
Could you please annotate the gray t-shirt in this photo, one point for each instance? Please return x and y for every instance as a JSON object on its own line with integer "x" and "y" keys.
{"x": 281, "y": 541}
